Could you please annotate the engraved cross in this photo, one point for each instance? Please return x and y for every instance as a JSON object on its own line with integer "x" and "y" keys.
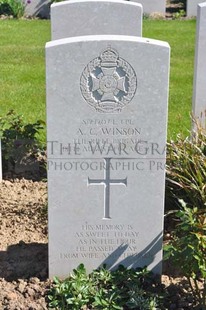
{"x": 107, "y": 182}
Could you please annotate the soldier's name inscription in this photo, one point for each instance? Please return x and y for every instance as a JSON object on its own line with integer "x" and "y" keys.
{"x": 107, "y": 137}
{"x": 109, "y": 127}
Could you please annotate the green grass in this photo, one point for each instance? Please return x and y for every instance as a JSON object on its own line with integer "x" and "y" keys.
{"x": 180, "y": 34}
{"x": 22, "y": 67}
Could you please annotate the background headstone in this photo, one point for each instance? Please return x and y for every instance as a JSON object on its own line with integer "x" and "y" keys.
{"x": 192, "y": 7}
{"x": 199, "y": 84}
{"x": 92, "y": 17}
{"x": 152, "y": 6}
{"x": 40, "y": 8}
{"x": 106, "y": 122}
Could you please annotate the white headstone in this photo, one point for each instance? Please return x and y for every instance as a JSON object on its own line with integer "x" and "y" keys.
{"x": 39, "y": 8}
{"x": 199, "y": 84}
{"x": 152, "y": 6}
{"x": 106, "y": 120}
{"x": 192, "y": 7}
{"x": 92, "y": 17}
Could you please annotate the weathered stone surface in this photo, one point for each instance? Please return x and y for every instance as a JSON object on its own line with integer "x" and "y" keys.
{"x": 39, "y": 8}
{"x": 151, "y": 6}
{"x": 106, "y": 119}
{"x": 199, "y": 84}
{"x": 192, "y": 7}
{"x": 92, "y": 17}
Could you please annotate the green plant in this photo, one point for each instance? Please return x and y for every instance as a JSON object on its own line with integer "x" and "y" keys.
{"x": 186, "y": 183}
{"x": 18, "y": 138}
{"x": 179, "y": 15}
{"x": 107, "y": 299}
{"x": 187, "y": 249}
{"x": 145, "y": 16}
{"x": 106, "y": 290}
{"x": 12, "y": 7}
{"x": 5, "y": 8}
{"x": 186, "y": 169}
{"x": 139, "y": 300}
{"x": 72, "y": 293}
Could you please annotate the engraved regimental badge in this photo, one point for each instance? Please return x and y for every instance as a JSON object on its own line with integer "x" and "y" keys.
{"x": 108, "y": 83}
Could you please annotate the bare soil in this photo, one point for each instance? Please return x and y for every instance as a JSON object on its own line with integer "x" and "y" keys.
{"x": 24, "y": 251}
{"x": 23, "y": 245}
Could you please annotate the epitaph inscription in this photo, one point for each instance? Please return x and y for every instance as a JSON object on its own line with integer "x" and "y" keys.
{"x": 96, "y": 241}
{"x": 108, "y": 83}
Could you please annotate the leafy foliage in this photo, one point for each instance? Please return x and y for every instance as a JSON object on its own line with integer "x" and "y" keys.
{"x": 18, "y": 138}
{"x": 186, "y": 182}
{"x": 186, "y": 169}
{"x": 187, "y": 249}
{"x": 102, "y": 289}
{"x": 179, "y": 15}
{"x": 12, "y": 7}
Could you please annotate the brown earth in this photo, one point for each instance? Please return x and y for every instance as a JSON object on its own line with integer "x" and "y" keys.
{"x": 23, "y": 245}
{"x": 23, "y": 251}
